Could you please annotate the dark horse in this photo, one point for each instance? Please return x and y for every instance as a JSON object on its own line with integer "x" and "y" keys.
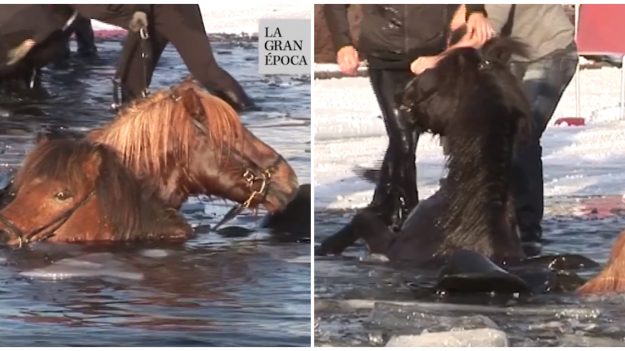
{"x": 185, "y": 141}
{"x": 472, "y": 100}
{"x": 76, "y": 191}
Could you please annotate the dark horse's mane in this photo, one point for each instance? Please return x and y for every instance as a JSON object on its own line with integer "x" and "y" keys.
{"x": 473, "y": 100}
{"x": 131, "y": 209}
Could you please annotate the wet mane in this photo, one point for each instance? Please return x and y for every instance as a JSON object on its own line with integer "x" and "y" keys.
{"x": 473, "y": 100}
{"x": 612, "y": 278}
{"x": 131, "y": 209}
{"x": 163, "y": 124}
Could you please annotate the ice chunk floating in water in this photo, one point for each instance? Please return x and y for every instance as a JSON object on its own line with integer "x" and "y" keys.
{"x": 86, "y": 266}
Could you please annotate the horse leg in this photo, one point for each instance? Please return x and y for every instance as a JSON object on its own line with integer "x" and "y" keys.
{"x": 338, "y": 242}
{"x": 367, "y": 225}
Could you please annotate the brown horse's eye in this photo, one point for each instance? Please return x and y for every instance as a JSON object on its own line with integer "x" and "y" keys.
{"x": 62, "y": 195}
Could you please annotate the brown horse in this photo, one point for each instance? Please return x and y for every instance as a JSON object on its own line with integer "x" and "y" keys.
{"x": 75, "y": 191}
{"x": 186, "y": 141}
{"x": 612, "y": 278}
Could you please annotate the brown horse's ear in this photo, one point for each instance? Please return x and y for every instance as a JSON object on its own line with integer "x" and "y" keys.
{"x": 191, "y": 102}
{"x": 91, "y": 167}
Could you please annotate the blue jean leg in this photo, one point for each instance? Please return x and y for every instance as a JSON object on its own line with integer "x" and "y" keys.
{"x": 544, "y": 82}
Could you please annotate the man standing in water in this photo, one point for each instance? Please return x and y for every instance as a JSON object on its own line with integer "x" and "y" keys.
{"x": 550, "y": 38}
{"x": 392, "y": 37}
{"x": 182, "y": 25}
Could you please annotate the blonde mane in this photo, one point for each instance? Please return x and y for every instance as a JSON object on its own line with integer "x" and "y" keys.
{"x": 152, "y": 132}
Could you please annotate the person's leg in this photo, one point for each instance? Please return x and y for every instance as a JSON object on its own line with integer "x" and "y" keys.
{"x": 396, "y": 192}
{"x": 85, "y": 38}
{"x": 182, "y": 25}
{"x": 134, "y": 78}
{"x": 544, "y": 82}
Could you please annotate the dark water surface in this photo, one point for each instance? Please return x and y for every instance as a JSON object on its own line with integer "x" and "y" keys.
{"x": 352, "y": 293}
{"x": 225, "y": 290}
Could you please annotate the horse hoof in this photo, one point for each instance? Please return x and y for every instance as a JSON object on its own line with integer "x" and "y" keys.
{"x": 470, "y": 272}
{"x": 320, "y": 251}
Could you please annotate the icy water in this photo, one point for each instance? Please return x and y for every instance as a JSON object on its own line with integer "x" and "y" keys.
{"x": 242, "y": 289}
{"x": 360, "y": 302}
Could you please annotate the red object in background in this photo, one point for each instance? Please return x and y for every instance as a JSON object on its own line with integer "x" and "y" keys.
{"x": 571, "y": 121}
{"x": 110, "y": 34}
{"x": 600, "y": 29}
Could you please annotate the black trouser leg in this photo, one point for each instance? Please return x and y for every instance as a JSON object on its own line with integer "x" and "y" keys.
{"x": 544, "y": 82}
{"x": 396, "y": 192}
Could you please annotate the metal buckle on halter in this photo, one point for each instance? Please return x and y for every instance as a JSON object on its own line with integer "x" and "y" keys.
{"x": 484, "y": 64}
{"x": 250, "y": 178}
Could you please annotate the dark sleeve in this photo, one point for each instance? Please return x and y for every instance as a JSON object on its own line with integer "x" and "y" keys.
{"x": 473, "y": 8}
{"x": 336, "y": 18}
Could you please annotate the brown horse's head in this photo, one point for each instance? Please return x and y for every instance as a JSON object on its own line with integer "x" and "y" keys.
{"x": 70, "y": 190}
{"x": 189, "y": 142}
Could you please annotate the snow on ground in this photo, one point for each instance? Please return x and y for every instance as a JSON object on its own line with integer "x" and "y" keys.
{"x": 239, "y": 16}
{"x": 578, "y": 161}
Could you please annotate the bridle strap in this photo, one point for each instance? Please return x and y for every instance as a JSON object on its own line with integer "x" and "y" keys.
{"x": 54, "y": 224}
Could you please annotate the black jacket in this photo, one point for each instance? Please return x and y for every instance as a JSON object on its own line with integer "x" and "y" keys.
{"x": 392, "y": 36}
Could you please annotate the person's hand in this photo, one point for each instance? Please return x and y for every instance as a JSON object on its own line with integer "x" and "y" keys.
{"x": 347, "y": 58}
{"x": 479, "y": 28}
{"x": 424, "y": 63}
{"x": 468, "y": 40}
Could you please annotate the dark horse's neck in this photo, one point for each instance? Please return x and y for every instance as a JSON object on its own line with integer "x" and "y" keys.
{"x": 480, "y": 142}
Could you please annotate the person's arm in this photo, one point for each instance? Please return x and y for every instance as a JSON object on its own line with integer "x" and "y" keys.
{"x": 498, "y": 16}
{"x": 478, "y": 32}
{"x": 477, "y": 22}
{"x": 346, "y": 55}
{"x": 336, "y": 18}
{"x": 424, "y": 63}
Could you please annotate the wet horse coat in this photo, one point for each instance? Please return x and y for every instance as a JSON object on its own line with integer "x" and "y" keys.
{"x": 474, "y": 101}
{"x": 185, "y": 141}
{"x": 75, "y": 191}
